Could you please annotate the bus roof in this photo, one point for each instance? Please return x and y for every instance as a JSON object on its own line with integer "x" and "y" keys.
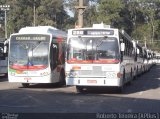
{"x": 42, "y": 30}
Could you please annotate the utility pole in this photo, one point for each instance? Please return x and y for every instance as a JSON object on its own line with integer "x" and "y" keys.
{"x": 145, "y": 44}
{"x": 5, "y": 8}
{"x": 81, "y": 10}
{"x": 34, "y": 14}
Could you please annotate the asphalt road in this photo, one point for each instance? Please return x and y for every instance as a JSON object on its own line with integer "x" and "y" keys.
{"x": 142, "y": 96}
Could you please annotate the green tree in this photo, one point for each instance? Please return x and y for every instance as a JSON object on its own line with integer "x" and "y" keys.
{"x": 47, "y": 12}
{"x": 108, "y": 11}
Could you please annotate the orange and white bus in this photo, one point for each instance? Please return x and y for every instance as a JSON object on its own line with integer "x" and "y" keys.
{"x": 99, "y": 56}
{"x": 37, "y": 55}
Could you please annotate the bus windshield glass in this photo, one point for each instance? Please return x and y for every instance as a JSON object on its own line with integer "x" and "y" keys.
{"x": 29, "y": 51}
{"x": 92, "y": 50}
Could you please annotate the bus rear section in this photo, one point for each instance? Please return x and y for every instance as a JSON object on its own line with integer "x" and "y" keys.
{"x": 29, "y": 58}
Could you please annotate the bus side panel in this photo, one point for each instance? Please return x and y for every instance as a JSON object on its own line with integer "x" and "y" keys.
{"x": 93, "y": 81}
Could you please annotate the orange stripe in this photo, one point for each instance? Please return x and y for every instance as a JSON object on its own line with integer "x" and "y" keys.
{"x": 107, "y": 61}
{"x": 18, "y": 67}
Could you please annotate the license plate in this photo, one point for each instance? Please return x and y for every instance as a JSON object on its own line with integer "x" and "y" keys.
{"x": 27, "y": 78}
{"x": 91, "y": 81}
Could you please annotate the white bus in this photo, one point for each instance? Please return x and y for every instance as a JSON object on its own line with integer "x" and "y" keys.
{"x": 157, "y": 55}
{"x": 146, "y": 59}
{"x": 139, "y": 59}
{"x": 37, "y": 55}
{"x": 99, "y": 56}
{"x": 3, "y": 58}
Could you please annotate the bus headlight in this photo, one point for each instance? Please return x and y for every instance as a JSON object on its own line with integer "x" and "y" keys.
{"x": 111, "y": 75}
{"x": 72, "y": 74}
{"x": 44, "y": 73}
{"x": 12, "y": 73}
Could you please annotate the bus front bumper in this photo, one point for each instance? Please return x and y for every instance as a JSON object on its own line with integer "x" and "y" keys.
{"x": 93, "y": 81}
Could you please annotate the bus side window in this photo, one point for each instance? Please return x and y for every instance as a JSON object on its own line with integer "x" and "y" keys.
{"x": 54, "y": 55}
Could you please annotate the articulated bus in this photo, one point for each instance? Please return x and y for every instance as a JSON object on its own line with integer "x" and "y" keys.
{"x": 37, "y": 55}
{"x": 3, "y": 58}
{"x": 99, "y": 56}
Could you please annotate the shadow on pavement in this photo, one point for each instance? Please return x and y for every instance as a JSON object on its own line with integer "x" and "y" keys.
{"x": 45, "y": 86}
{"x": 147, "y": 81}
{"x": 66, "y": 102}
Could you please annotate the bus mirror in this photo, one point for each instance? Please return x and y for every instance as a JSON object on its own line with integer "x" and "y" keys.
{"x": 134, "y": 44}
{"x": 122, "y": 46}
{"x": 121, "y": 40}
{"x": 138, "y": 51}
{"x": 1, "y": 50}
{"x": 5, "y": 49}
{"x": 54, "y": 46}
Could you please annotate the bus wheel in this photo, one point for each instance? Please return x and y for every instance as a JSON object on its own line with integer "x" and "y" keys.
{"x": 6, "y": 75}
{"x": 25, "y": 85}
{"x": 136, "y": 75}
{"x": 131, "y": 78}
{"x": 120, "y": 89}
{"x": 79, "y": 89}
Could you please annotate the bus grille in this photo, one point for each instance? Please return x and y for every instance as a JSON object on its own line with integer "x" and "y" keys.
{"x": 97, "y": 71}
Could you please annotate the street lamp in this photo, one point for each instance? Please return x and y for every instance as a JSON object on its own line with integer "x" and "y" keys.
{"x": 34, "y": 15}
{"x": 5, "y": 8}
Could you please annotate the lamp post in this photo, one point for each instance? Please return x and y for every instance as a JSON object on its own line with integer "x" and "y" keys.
{"x": 34, "y": 14}
{"x": 5, "y": 8}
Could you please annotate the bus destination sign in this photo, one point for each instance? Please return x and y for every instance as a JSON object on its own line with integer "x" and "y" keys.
{"x": 37, "y": 38}
{"x": 93, "y": 32}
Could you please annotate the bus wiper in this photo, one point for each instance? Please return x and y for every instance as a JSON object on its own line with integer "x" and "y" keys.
{"x": 36, "y": 46}
{"x": 14, "y": 59}
{"x": 98, "y": 44}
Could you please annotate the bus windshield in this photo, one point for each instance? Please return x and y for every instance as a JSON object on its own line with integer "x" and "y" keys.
{"x": 29, "y": 52}
{"x": 92, "y": 50}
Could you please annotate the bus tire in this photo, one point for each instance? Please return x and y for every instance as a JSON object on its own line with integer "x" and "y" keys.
{"x": 25, "y": 85}
{"x": 131, "y": 78}
{"x": 120, "y": 89}
{"x": 79, "y": 89}
{"x": 136, "y": 75}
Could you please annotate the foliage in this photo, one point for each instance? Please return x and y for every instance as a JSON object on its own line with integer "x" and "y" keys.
{"x": 139, "y": 18}
{"x": 47, "y": 12}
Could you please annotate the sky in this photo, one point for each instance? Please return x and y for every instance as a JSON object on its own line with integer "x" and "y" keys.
{"x": 70, "y": 13}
